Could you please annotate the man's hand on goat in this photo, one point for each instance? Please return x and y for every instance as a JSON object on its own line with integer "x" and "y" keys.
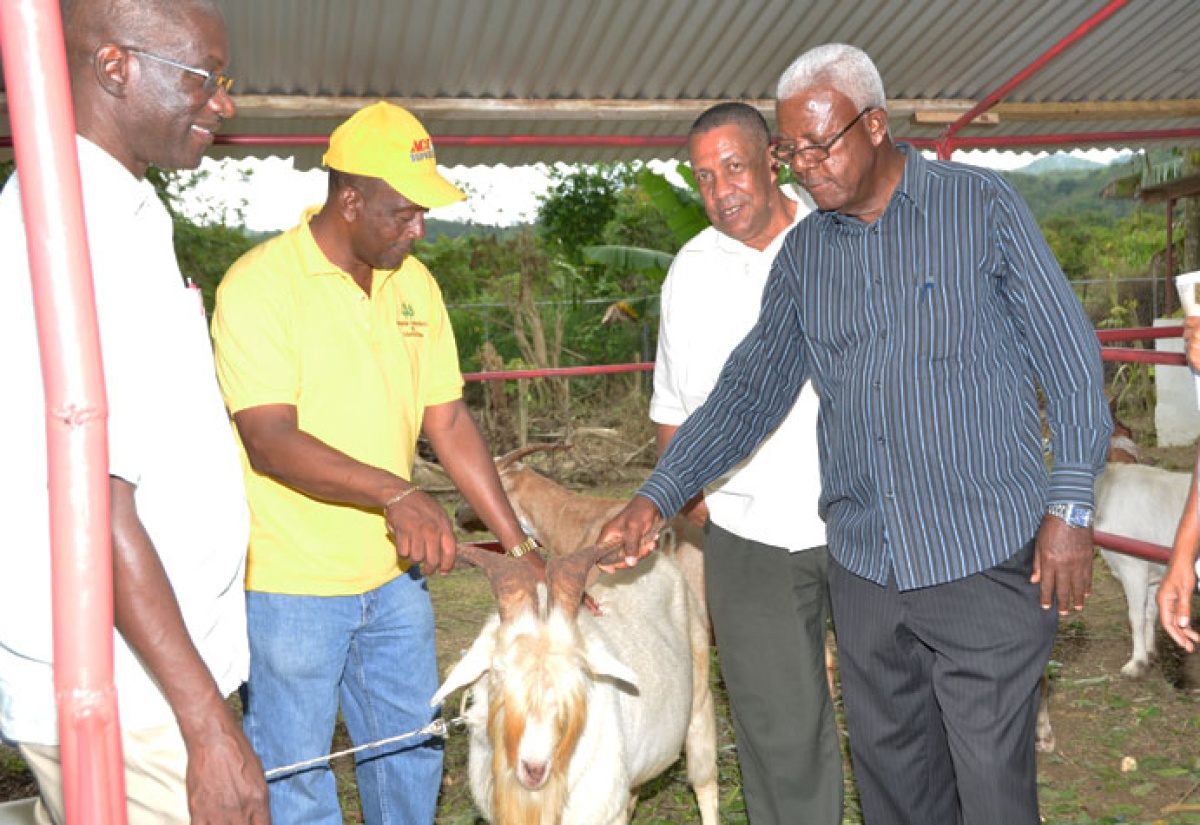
{"x": 1062, "y": 564}
{"x": 633, "y": 532}
{"x": 1175, "y": 600}
{"x": 423, "y": 533}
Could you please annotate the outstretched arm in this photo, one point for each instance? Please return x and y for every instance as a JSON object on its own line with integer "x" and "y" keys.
{"x": 1179, "y": 582}
{"x": 464, "y": 454}
{"x": 225, "y": 780}
{"x": 696, "y": 510}
{"x": 277, "y": 447}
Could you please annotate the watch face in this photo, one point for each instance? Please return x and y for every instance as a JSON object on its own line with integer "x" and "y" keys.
{"x": 1072, "y": 514}
{"x": 1079, "y": 516}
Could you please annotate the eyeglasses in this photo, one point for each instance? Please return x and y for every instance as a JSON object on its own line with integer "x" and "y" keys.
{"x": 814, "y": 153}
{"x": 212, "y": 80}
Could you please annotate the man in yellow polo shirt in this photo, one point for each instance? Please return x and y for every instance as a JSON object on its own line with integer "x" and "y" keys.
{"x": 334, "y": 352}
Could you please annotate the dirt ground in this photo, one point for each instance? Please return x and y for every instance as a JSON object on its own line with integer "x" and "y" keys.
{"x": 1126, "y": 751}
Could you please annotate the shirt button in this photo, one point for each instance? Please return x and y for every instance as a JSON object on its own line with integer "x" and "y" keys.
{"x": 876, "y": 384}
{"x": 882, "y": 439}
{"x": 878, "y": 280}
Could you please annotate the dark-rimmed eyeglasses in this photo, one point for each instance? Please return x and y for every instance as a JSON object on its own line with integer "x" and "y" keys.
{"x": 788, "y": 152}
{"x": 212, "y": 80}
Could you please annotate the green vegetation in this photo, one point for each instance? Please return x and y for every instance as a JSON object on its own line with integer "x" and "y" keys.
{"x": 580, "y": 285}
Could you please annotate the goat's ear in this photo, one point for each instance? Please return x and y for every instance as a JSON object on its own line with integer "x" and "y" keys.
{"x": 474, "y": 664}
{"x": 604, "y": 663}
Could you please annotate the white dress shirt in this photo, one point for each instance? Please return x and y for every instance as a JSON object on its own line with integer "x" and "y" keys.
{"x": 710, "y": 300}
{"x": 169, "y": 436}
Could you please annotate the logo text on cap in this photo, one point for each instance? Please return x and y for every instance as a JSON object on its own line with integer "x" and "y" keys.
{"x": 422, "y": 149}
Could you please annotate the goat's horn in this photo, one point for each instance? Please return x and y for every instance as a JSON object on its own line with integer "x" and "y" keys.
{"x": 516, "y": 455}
{"x": 512, "y": 581}
{"x": 566, "y": 576}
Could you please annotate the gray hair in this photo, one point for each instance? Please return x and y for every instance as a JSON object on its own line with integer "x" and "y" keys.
{"x": 847, "y": 69}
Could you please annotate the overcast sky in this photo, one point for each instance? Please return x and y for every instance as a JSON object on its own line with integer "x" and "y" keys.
{"x": 275, "y": 194}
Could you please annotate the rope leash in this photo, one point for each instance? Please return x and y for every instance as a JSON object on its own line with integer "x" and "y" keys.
{"x": 438, "y": 727}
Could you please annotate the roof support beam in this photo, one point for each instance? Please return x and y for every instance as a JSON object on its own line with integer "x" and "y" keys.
{"x": 945, "y": 146}
{"x": 336, "y": 109}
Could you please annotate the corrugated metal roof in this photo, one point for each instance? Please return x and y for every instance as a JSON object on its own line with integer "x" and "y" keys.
{"x": 647, "y": 67}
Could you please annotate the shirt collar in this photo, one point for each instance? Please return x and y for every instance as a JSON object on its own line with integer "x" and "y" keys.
{"x": 314, "y": 260}
{"x": 122, "y": 191}
{"x": 914, "y": 182}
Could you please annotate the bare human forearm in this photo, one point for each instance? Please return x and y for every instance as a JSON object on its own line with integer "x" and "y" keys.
{"x": 225, "y": 780}
{"x": 464, "y": 454}
{"x": 278, "y": 448}
{"x": 1179, "y": 582}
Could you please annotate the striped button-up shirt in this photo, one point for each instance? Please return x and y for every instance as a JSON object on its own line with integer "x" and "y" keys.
{"x": 928, "y": 335}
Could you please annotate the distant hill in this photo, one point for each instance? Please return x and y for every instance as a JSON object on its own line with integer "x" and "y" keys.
{"x": 1069, "y": 191}
{"x": 1058, "y": 162}
{"x": 435, "y": 228}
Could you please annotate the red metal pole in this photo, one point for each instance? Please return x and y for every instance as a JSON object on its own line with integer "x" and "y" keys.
{"x": 988, "y": 102}
{"x": 933, "y": 144}
{"x": 1133, "y": 547}
{"x": 560, "y": 372}
{"x": 1142, "y": 356}
{"x": 1068, "y": 139}
{"x": 1109, "y": 336}
{"x": 39, "y": 98}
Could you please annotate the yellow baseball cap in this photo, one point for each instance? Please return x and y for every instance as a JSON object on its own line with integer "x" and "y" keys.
{"x": 385, "y": 141}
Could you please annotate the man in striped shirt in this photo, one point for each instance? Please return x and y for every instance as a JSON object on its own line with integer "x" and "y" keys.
{"x": 926, "y": 308}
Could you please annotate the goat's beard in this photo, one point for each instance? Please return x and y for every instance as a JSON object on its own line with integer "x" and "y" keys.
{"x": 512, "y": 802}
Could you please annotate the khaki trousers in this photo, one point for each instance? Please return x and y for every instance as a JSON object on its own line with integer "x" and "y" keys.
{"x": 155, "y": 770}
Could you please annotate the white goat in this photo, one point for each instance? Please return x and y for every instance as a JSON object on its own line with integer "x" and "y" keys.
{"x": 571, "y": 712}
{"x": 1145, "y": 503}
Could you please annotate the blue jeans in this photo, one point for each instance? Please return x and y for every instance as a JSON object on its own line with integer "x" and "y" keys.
{"x": 375, "y": 652}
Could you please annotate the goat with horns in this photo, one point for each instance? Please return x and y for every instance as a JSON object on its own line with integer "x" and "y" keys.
{"x": 571, "y": 712}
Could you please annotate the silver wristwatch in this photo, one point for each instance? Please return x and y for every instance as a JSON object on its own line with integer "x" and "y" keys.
{"x": 1076, "y": 515}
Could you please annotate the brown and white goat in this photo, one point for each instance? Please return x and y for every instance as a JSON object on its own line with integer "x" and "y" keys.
{"x": 570, "y": 712}
{"x": 564, "y": 521}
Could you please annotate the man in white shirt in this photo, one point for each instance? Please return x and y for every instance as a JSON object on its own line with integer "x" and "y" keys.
{"x": 765, "y": 556}
{"x": 148, "y": 89}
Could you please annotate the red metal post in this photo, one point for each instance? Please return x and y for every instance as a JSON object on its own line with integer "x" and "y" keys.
{"x": 1020, "y": 77}
{"x": 1133, "y": 547}
{"x": 1070, "y": 139}
{"x": 39, "y": 100}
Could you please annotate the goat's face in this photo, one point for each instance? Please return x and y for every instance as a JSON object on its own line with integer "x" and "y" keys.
{"x": 537, "y": 698}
